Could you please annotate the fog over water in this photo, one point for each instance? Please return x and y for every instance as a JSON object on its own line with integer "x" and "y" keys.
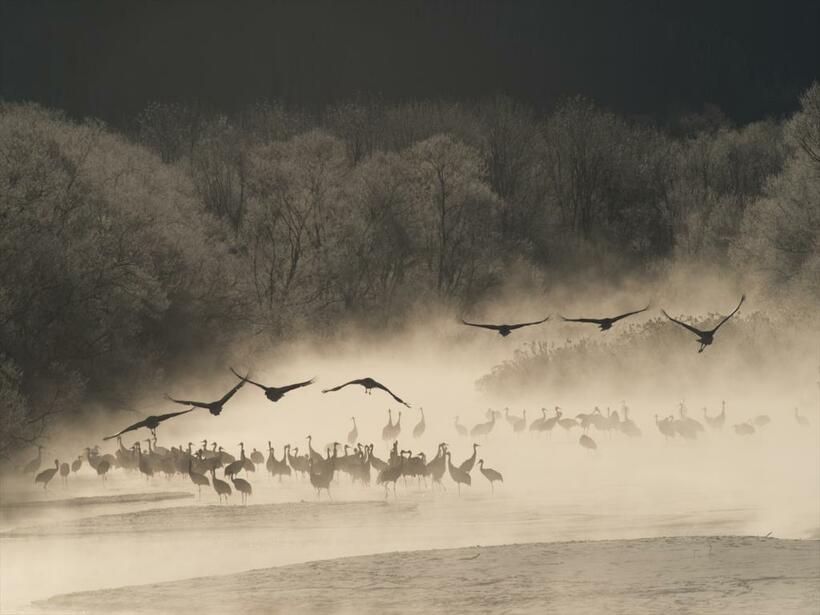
{"x": 553, "y": 489}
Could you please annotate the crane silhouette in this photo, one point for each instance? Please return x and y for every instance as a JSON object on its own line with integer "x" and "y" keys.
{"x": 418, "y": 430}
{"x": 390, "y": 474}
{"x": 387, "y": 430}
{"x": 457, "y": 474}
{"x": 321, "y": 475}
{"x": 220, "y": 486}
{"x": 460, "y": 429}
{"x": 368, "y": 384}
{"x": 243, "y": 487}
{"x": 46, "y": 475}
{"x": 490, "y": 474}
{"x": 538, "y": 424}
{"x": 102, "y": 468}
{"x": 706, "y": 337}
{"x": 151, "y": 423}
{"x": 214, "y": 407}
{"x": 467, "y": 464}
{"x": 275, "y": 393}
{"x": 199, "y": 479}
{"x": 504, "y": 330}
{"x": 32, "y": 466}
{"x": 605, "y": 323}
{"x": 716, "y": 422}
{"x": 587, "y": 442}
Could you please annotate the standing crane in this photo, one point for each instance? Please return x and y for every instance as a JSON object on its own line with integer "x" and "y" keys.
{"x": 220, "y": 486}
{"x": 243, "y": 487}
{"x": 491, "y": 475}
{"x": 32, "y": 466}
{"x": 418, "y": 430}
{"x": 457, "y": 474}
{"x": 46, "y": 475}
{"x": 353, "y": 434}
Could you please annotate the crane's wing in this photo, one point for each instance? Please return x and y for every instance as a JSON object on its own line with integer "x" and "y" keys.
{"x": 528, "y": 324}
{"x": 127, "y": 429}
{"x": 595, "y": 321}
{"x": 617, "y": 318}
{"x": 170, "y": 415}
{"x": 186, "y": 402}
{"x": 296, "y": 385}
{"x": 246, "y": 379}
{"x": 230, "y": 393}
{"x": 720, "y": 324}
{"x": 341, "y": 386}
{"x": 475, "y": 324}
{"x": 379, "y": 385}
{"x": 694, "y": 330}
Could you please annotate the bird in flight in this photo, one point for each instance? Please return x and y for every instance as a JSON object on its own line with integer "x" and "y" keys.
{"x": 705, "y": 338}
{"x": 504, "y": 330}
{"x": 214, "y": 407}
{"x": 368, "y": 384}
{"x": 604, "y": 323}
{"x": 151, "y": 422}
{"x": 275, "y": 393}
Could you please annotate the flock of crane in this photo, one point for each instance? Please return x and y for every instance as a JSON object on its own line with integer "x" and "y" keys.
{"x": 359, "y": 459}
{"x": 358, "y": 463}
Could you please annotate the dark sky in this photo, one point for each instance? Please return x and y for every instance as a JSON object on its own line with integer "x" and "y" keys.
{"x": 108, "y": 58}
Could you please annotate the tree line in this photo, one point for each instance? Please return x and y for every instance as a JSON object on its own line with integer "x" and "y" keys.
{"x": 131, "y": 255}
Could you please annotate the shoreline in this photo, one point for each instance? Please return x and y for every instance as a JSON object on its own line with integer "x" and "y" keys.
{"x": 626, "y": 575}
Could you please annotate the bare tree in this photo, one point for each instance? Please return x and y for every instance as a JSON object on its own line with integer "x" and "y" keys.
{"x": 460, "y": 209}
{"x": 292, "y": 224}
